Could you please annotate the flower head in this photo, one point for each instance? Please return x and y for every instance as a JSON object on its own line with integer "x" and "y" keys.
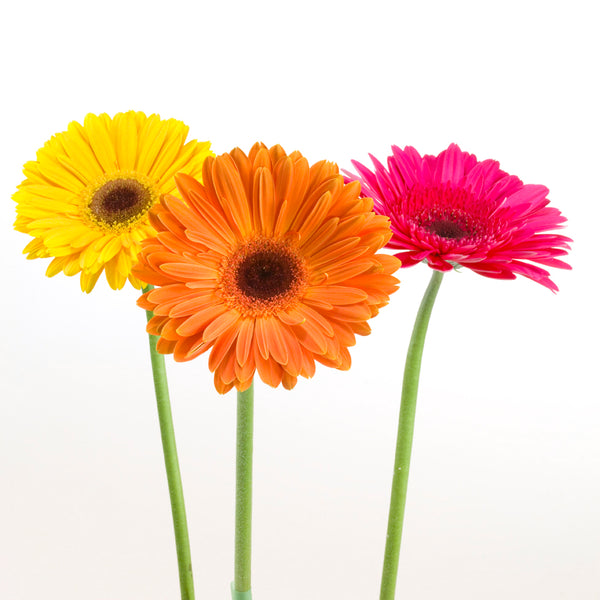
{"x": 269, "y": 263}
{"x": 452, "y": 210}
{"x": 86, "y": 198}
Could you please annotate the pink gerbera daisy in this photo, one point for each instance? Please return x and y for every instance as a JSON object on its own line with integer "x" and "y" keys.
{"x": 452, "y": 209}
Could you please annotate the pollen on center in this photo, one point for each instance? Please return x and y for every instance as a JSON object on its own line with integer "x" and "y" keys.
{"x": 116, "y": 202}
{"x": 263, "y": 276}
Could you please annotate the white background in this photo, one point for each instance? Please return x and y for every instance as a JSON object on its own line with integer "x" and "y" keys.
{"x": 504, "y": 493}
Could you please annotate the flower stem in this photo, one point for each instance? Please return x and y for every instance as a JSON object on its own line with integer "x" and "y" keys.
{"x": 406, "y": 425}
{"x": 167, "y": 434}
{"x": 240, "y": 589}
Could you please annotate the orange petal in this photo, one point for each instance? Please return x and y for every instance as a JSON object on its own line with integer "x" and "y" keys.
{"x": 189, "y": 304}
{"x": 283, "y": 177}
{"x": 294, "y": 351}
{"x": 144, "y": 302}
{"x": 263, "y": 198}
{"x": 222, "y": 347}
{"x": 189, "y": 348}
{"x": 311, "y": 338}
{"x": 276, "y": 153}
{"x": 335, "y": 252}
{"x": 245, "y": 370}
{"x": 165, "y": 346}
{"x": 344, "y": 333}
{"x": 316, "y": 319}
{"x": 216, "y": 223}
{"x": 243, "y": 385}
{"x": 270, "y": 372}
{"x": 353, "y": 312}
{"x": 220, "y": 386}
{"x": 220, "y": 325}
{"x": 308, "y": 203}
{"x": 186, "y": 183}
{"x": 315, "y": 217}
{"x": 244, "y": 340}
{"x": 169, "y": 329}
{"x": 189, "y": 270}
{"x": 168, "y": 293}
{"x": 260, "y": 335}
{"x": 336, "y": 294}
{"x": 201, "y": 319}
{"x": 291, "y": 317}
{"x": 308, "y": 365}
{"x": 301, "y": 181}
{"x": 322, "y": 171}
{"x": 175, "y": 244}
{"x": 321, "y": 236}
{"x": 230, "y": 190}
{"x": 288, "y": 381}
{"x": 360, "y": 327}
{"x": 350, "y": 227}
{"x": 389, "y": 263}
{"x": 275, "y": 339}
{"x": 244, "y": 167}
{"x": 226, "y": 370}
{"x": 346, "y": 271}
{"x": 346, "y": 201}
{"x": 260, "y": 157}
{"x": 318, "y": 303}
{"x": 155, "y": 325}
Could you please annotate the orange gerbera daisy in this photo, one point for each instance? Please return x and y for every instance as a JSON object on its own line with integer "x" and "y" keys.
{"x": 270, "y": 263}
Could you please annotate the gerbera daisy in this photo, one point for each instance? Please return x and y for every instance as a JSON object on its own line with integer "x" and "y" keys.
{"x": 87, "y": 195}
{"x": 453, "y": 210}
{"x": 269, "y": 263}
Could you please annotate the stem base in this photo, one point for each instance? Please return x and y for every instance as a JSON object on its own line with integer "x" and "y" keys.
{"x": 235, "y": 595}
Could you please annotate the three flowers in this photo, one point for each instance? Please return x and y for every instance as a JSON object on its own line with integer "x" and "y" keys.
{"x": 270, "y": 264}
{"x": 266, "y": 261}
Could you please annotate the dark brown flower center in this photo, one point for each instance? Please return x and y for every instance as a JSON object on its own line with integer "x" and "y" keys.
{"x": 266, "y": 274}
{"x": 447, "y": 229}
{"x": 119, "y": 201}
{"x": 263, "y": 276}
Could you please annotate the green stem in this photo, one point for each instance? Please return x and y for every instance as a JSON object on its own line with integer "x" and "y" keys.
{"x": 167, "y": 434}
{"x": 406, "y": 425}
{"x": 240, "y": 589}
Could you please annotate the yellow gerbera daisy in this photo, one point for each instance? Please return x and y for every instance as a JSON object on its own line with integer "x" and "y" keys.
{"x": 85, "y": 200}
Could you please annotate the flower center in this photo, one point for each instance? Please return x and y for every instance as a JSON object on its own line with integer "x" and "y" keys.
{"x": 117, "y": 202}
{"x": 263, "y": 276}
{"x": 447, "y": 229}
{"x": 266, "y": 274}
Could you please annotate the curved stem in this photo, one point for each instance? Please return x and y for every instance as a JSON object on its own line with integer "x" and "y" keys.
{"x": 167, "y": 434}
{"x": 240, "y": 589}
{"x": 406, "y": 424}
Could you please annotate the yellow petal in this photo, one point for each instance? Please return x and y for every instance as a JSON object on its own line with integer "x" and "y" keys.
{"x": 126, "y": 132}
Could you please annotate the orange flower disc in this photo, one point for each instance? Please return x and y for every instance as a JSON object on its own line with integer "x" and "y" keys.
{"x": 269, "y": 263}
